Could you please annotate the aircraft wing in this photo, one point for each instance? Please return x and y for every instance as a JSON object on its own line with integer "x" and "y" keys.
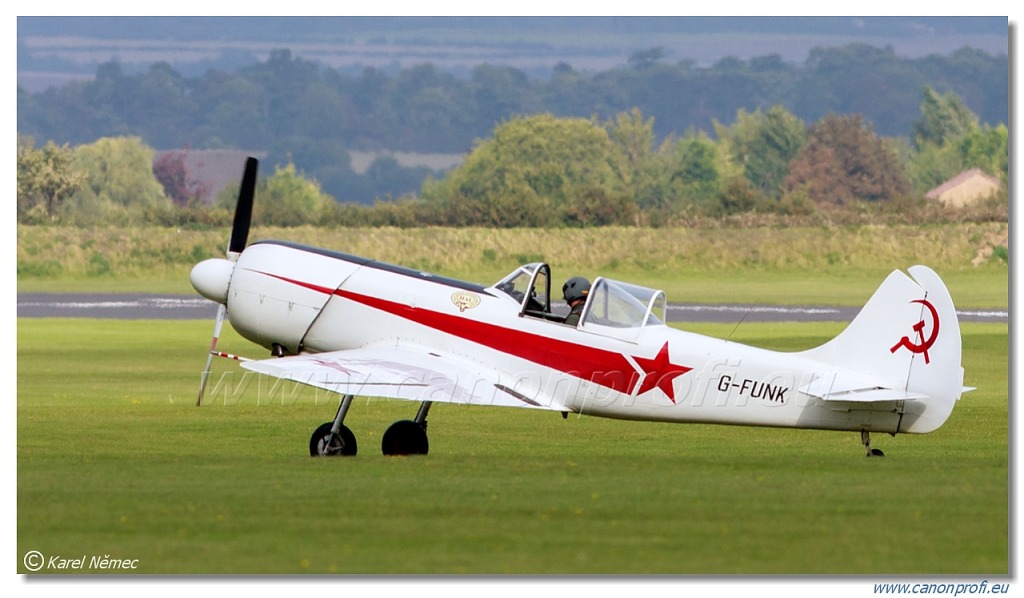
{"x": 401, "y": 372}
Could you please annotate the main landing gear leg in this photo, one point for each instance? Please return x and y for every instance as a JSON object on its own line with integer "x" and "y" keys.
{"x": 407, "y": 436}
{"x": 334, "y": 439}
{"x": 865, "y": 439}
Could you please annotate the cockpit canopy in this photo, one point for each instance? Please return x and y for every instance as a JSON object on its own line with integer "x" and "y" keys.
{"x": 623, "y": 305}
{"x": 622, "y": 310}
{"x": 617, "y": 309}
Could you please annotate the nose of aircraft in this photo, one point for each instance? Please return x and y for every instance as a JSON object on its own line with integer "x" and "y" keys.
{"x": 211, "y": 278}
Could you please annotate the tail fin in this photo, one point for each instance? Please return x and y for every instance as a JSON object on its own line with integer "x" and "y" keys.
{"x": 906, "y": 339}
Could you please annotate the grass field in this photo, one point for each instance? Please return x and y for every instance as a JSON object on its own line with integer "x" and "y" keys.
{"x": 113, "y": 458}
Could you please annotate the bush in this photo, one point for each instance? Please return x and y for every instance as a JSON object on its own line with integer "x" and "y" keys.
{"x": 44, "y": 269}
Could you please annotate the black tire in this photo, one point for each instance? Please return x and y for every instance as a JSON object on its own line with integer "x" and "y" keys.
{"x": 876, "y": 453}
{"x": 322, "y": 445}
{"x": 405, "y": 437}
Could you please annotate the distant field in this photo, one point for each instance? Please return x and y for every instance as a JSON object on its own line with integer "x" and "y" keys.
{"x": 458, "y": 48}
{"x": 828, "y": 265}
{"x": 114, "y": 459}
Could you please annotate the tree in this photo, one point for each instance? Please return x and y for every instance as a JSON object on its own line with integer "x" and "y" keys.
{"x": 599, "y": 206}
{"x": 171, "y": 169}
{"x": 157, "y": 102}
{"x": 230, "y": 111}
{"x": 120, "y": 181}
{"x": 860, "y": 79}
{"x": 643, "y": 59}
{"x": 536, "y": 171}
{"x": 46, "y": 178}
{"x": 321, "y": 114}
{"x": 701, "y": 172}
{"x": 387, "y": 178}
{"x": 930, "y": 165}
{"x": 987, "y": 148}
{"x": 283, "y": 82}
{"x": 943, "y": 118}
{"x": 287, "y": 198}
{"x": 843, "y": 161}
{"x": 948, "y": 140}
{"x": 634, "y": 137}
{"x": 561, "y": 95}
{"x": 645, "y": 170}
{"x": 984, "y": 147}
{"x": 432, "y": 111}
{"x": 499, "y": 93}
{"x": 763, "y": 143}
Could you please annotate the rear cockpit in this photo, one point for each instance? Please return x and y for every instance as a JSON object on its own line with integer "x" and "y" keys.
{"x": 622, "y": 310}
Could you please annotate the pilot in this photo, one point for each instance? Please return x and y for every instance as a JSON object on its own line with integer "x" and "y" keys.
{"x": 574, "y": 291}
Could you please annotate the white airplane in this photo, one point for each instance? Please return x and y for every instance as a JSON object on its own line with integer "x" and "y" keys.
{"x": 359, "y": 327}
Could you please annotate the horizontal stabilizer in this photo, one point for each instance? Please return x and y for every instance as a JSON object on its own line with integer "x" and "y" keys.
{"x": 870, "y": 395}
{"x": 856, "y": 389}
{"x": 875, "y": 395}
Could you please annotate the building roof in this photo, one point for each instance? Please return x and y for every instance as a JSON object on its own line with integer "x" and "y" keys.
{"x": 959, "y": 180}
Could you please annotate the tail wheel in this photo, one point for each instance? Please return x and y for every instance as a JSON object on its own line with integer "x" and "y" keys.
{"x": 405, "y": 437}
{"x": 325, "y": 444}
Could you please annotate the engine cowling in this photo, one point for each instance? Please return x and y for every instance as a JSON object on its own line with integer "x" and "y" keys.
{"x": 277, "y": 290}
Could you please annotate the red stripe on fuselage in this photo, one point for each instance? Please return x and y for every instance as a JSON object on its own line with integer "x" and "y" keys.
{"x": 607, "y": 368}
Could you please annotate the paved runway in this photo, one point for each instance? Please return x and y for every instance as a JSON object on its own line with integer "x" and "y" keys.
{"x": 192, "y": 307}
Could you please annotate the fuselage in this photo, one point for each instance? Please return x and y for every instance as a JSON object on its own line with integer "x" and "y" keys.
{"x": 298, "y": 299}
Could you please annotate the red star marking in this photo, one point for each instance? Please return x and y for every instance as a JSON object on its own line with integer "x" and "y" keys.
{"x": 660, "y": 372}
{"x": 333, "y": 365}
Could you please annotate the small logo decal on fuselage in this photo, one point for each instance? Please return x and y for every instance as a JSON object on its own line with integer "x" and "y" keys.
{"x": 465, "y": 300}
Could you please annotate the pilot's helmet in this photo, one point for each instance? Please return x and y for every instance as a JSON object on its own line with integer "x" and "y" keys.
{"x": 575, "y": 288}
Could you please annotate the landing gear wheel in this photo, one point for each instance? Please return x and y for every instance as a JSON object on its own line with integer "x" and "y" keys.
{"x": 324, "y": 444}
{"x": 405, "y": 437}
{"x": 865, "y": 439}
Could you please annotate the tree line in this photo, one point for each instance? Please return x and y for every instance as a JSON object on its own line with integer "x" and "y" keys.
{"x": 296, "y": 111}
{"x": 545, "y": 170}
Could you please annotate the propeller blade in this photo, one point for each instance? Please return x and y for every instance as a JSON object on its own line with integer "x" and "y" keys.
{"x": 243, "y": 211}
{"x": 218, "y": 323}
{"x": 239, "y": 238}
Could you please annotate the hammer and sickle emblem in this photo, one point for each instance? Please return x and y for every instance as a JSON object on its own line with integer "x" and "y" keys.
{"x": 923, "y": 344}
